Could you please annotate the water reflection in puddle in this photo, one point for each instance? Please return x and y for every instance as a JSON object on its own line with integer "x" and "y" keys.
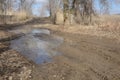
{"x": 38, "y": 31}
{"x": 38, "y": 45}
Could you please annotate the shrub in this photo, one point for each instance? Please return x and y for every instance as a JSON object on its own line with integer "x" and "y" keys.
{"x": 22, "y": 15}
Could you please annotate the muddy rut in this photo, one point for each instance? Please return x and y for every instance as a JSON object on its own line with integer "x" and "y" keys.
{"x": 84, "y": 57}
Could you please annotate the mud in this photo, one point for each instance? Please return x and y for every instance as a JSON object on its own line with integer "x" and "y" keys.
{"x": 37, "y": 45}
{"x": 84, "y": 57}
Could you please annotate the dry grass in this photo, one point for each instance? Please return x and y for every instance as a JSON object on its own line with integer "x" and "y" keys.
{"x": 14, "y": 17}
{"x": 106, "y": 26}
{"x": 21, "y": 15}
{"x": 110, "y": 23}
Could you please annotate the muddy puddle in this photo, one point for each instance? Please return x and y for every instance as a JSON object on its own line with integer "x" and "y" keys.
{"x": 38, "y": 45}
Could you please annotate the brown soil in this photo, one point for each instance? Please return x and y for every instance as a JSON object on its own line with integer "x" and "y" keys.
{"x": 84, "y": 57}
{"x": 13, "y": 66}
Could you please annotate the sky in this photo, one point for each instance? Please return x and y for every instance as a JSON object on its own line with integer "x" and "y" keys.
{"x": 115, "y": 8}
{"x": 38, "y": 5}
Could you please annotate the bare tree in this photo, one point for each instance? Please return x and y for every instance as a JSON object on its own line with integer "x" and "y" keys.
{"x": 81, "y": 10}
{"x": 54, "y": 6}
{"x": 104, "y": 6}
{"x": 43, "y": 10}
{"x": 3, "y": 4}
{"x": 26, "y": 5}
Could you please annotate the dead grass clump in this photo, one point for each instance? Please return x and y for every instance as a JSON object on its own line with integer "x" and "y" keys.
{"x": 21, "y": 15}
{"x": 110, "y": 23}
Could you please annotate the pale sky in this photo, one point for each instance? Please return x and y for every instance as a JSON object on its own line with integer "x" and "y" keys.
{"x": 41, "y": 1}
{"x": 38, "y": 5}
{"x": 115, "y": 9}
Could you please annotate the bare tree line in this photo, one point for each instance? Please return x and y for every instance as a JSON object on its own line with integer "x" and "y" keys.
{"x": 82, "y": 10}
{"x": 78, "y": 11}
{"x": 8, "y": 8}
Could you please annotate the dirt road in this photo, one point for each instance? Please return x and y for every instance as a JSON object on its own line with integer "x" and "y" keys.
{"x": 83, "y": 57}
